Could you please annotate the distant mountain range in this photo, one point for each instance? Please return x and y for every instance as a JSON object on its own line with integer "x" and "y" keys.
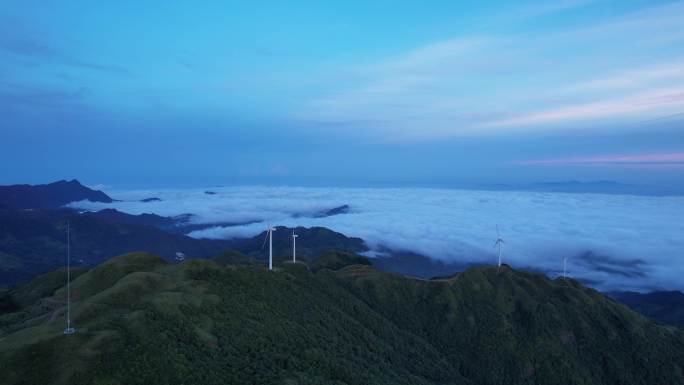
{"x": 142, "y": 320}
{"x": 33, "y": 238}
{"x": 416, "y": 265}
{"x": 48, "y": 196}
{"x": 663, "y": 306}
{"x": 32, "y": 241}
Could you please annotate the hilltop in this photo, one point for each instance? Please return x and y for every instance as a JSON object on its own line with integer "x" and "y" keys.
{"x": 48, "y": 196}
{"x": 143, "y": 320}
{"x": 311, "y": 242}
{"x": 34, "y": 241}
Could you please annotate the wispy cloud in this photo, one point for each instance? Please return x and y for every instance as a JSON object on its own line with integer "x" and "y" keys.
{"x": 535, "y": 11}
{"x": 631, "y": 78}
{"x": 28, "y": 47}
{"x": 581, "y": 76}
{"x": 676, "y": 158}
{"x": 660, "y": 101}
{"x": 32, "y": 97}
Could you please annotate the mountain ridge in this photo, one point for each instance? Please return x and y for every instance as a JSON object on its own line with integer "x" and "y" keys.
{"x": 662, "y": 306}
{"x": 48, "y": 196}
{"x": 144, "y": 320}
{"x": 34, "y": 241}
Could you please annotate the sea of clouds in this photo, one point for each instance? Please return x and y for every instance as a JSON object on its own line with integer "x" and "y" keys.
{"x": 613, "y": 242}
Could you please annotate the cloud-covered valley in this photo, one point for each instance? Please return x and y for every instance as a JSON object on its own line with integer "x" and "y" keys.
{"x": 611, "y": 241}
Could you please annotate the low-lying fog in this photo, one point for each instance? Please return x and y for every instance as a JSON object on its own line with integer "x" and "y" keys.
{"x": 613, "y": 242}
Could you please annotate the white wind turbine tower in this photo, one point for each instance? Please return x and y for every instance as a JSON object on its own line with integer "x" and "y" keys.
{"x": 69, "y": 329}
{"x": 269, "y": 235}
{"x": 565, "y": 266}
{"x": 498, "y": 243}
{"x": 294, "y": 246}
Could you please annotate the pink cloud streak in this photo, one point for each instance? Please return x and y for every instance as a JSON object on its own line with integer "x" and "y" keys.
{"x": 673, "y": 158}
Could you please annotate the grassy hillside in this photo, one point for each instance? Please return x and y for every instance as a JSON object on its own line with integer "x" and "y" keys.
{"x": 143, "y": 320}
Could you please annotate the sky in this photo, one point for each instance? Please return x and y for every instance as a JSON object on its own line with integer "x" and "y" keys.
{"x": 353, "y": 93}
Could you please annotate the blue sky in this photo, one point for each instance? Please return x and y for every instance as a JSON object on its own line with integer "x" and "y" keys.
{"x": 353, "y": 93}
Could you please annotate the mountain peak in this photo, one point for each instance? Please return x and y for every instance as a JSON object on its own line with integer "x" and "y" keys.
{"x": 49, "y": 196}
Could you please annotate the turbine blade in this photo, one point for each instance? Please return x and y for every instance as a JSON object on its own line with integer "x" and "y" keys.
{"x": 266, "y": 237}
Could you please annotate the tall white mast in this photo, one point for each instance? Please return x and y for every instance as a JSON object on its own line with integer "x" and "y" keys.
{"x": 294, "y": 246}
{"x": 498, "y": 243}
{"x": 565, "y": 265}
{"x": 270, "y": 247}
{"x": 499, "y": 264}
{"x": 69, "y": 329}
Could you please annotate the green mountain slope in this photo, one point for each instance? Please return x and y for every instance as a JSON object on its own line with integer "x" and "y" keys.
{"x": 311, "y": 243}
{"x": 662, "y": 306}
{"x": 33, "y": 242}
{"x": 143, "y": 320}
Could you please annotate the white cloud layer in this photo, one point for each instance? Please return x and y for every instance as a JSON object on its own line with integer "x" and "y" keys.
{"x": 636, "y": 240}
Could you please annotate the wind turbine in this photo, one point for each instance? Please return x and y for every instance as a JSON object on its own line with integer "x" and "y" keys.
{"x": 565, "y": 265}
{"x": 498, "y": 243}
{"x": 69, "y": 330}
{"x": 294, "y": 246}
{"x": 269, "y": 236}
